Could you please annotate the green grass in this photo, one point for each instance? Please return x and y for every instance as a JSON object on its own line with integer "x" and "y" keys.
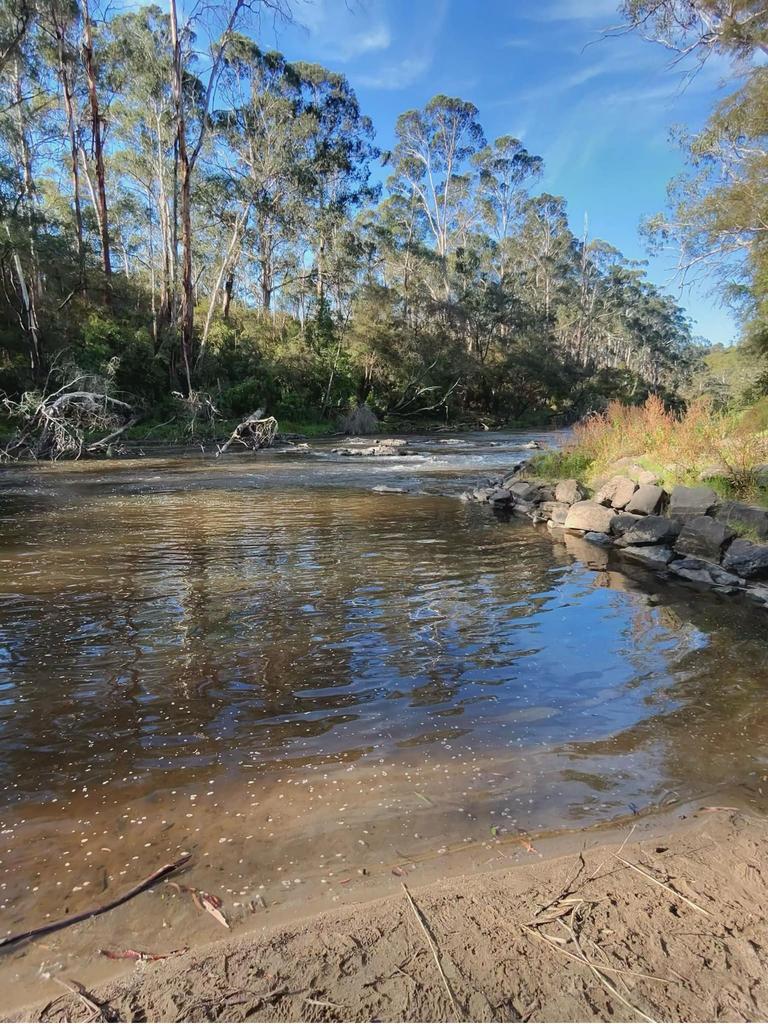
{"x": 561, "y": 464}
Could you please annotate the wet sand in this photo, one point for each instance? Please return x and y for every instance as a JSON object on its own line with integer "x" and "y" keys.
{"x": 572, "y": 933}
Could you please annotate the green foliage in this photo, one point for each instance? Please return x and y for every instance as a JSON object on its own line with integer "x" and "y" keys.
{"x": 563, "y": 464}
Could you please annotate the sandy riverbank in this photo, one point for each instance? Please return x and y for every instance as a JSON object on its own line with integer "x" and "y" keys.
{"x": 560, "y": 939}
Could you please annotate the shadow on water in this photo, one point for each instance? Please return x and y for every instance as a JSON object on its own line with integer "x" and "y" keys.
{"x": 304, "y": 682}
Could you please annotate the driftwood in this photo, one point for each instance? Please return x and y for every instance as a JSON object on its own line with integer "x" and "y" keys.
{"x": 55, "y": 425}
{"x": 257, "y": 431}
{"x": 84, "y": 915}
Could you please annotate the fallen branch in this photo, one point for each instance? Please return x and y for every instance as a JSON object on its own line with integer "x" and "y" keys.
{"x": 84, "y": 915}
{"x": 79, "y": 991}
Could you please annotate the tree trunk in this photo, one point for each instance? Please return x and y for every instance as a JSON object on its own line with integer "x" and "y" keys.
{"x": 226, "y": 302}
{"x": 97, "y": 131}
{"x": 69, "y": 105}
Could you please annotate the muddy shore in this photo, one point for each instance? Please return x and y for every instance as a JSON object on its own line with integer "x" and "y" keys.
{"x": 660, "y": 920}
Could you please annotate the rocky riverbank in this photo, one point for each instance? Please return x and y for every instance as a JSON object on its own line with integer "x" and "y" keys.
{"x": 687, "y": 532}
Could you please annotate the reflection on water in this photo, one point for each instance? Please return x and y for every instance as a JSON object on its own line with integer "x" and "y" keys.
{"x": 303, "y": 681}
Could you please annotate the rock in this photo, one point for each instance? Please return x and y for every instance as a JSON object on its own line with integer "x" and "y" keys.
{"x": 699, "y": 570}
{"x": 645, "y": 476}
{"x": 742, "y": 517}
{"x": 531, "y": 445}
{"x": 482, "y": 493}
{"x": 569, "y": 491}
{"x": 704, "y": 537}
{"x": 747, "y": 559}
{"x": 623, "y": 522}
{"x": 761, "y": 475}
{"x": 500, "y": 496}
{"x": 651, "y": 530}
{"x": 646, "y": 500}
{"x": 598, "y": 538}
{"x": 589, "y": 516}
{"x": 758, "y": 594}
{"x": 692, "y": 501}
{"x": 556, "y": 511}
{"x": 523, "y": 490}
{"x": 657, "y": 556}
{"x": 617, "y": 491}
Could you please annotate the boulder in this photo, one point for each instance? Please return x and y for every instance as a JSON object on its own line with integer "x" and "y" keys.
{"x": 645, "y": 476}
{"x": 482, "y": 493}
{"x": 569, "y": 491}
{"x": 699, "y": 570}
{"x": 616, "y": 492}
{"x": 743, "y": 517}
{"x": 685, "y": 502}
{"x": 761, "y": 475}
{"x": 656, "y": 556}
{"x": 651, "y": 530}
{"x": 556, "y": 511}
{"x": 500, "y": 496}
{"x": 717, "y": 469}
{"x": 704, "y": 537}
{"x": 598, "y": 538}
{"x": 622, "y": 522}
{"x": 523, "y": 490}
{"x": 646, "y": 500}
{"x": 747, "y": 559}
{"x": 590, "y": 517}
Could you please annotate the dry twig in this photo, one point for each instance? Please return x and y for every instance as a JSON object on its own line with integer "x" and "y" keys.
{"x": 425, "y": 928}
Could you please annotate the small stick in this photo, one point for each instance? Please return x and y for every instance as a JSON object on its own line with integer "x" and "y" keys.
{"x": 662, "y": 885}
{"x": 627, "y": 837}
{"x": 65, "y": 922}
{"x": 423, "y": 925}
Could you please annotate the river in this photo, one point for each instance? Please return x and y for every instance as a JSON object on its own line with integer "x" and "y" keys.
{"x": 319, "y": 675}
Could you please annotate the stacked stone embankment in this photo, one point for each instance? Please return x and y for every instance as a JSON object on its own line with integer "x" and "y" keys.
{"x": 687, "y": 532}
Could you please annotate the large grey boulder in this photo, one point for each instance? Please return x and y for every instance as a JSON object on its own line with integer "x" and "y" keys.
{"x": 523, "y": 490}
{"x": 743, "y": 517}
{"x": 589, "y": 517}
{"x": 704, "y": 537}
{"x": 699, "y": 570}
{"x": 685, "y": 502}
{"x": 598, "y": 538}
{"x": 616, "y": 492}
{"x": 646, "y": 500}
{"x": 624, "y": 521}
{"x": 655, "y": 556}
{"x": 500, "y": 496}
{"x": 569, "y": 491}
{"x": 747, "y": 559}
{"x": 651, "y": 530}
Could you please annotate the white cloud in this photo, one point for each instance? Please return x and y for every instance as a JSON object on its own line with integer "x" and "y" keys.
{"x": 398, "y": 75}
{"x": 345, "y": 32}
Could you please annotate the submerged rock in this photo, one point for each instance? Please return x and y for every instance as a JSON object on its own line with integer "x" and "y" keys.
{"x": 656, "y": 556}
{"x": 699, "y": 570}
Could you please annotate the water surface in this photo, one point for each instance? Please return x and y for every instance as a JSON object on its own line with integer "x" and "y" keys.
{"x": 317, "y": 674}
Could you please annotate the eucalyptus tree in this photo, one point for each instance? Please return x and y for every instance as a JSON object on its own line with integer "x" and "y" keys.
{"x": 431, "y": 164}
{"x": 505, "y": 171}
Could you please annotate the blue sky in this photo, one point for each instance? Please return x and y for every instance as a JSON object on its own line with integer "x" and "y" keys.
{"x": 597, "y": 110}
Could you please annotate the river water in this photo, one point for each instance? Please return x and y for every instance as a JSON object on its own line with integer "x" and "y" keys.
{"x": 320, "y": 674}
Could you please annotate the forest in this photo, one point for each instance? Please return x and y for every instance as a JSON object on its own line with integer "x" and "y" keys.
{"x": 194, "y": 227}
